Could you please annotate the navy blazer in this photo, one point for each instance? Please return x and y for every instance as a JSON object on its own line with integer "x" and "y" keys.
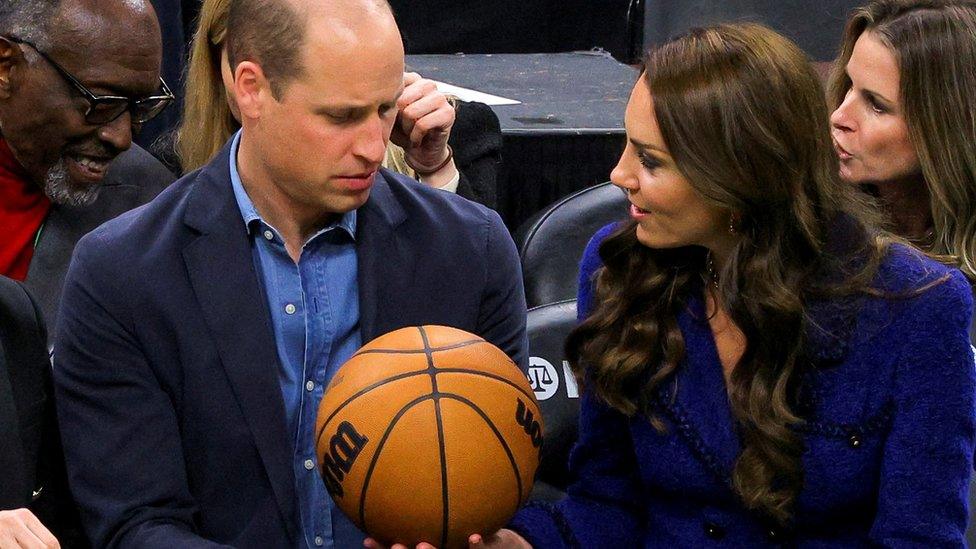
{"x": 889, "y": 431}
{"x": 166, "y": 366}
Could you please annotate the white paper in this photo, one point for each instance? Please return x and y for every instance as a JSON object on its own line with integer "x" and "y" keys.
{"x": 465, "y": 94}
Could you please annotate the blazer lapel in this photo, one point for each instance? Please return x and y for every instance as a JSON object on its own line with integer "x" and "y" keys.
{"x": 223, "y": 276}
{"x": 697, "y": 400}
{"x": 382, "y": 263}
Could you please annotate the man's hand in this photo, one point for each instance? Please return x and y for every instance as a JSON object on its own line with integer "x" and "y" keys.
{"x": 423, "y": 124}
{"x": 20, "y": 529}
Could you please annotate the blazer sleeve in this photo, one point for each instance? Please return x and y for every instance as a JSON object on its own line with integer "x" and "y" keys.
{"x": 928, "y": 454}
{"x": 119, "y": 427}
{"x": 477, "y": 142}
{"x": 501, "y": 317}
{"x": 604, "y": 505}
{"x": 53, "y": 505}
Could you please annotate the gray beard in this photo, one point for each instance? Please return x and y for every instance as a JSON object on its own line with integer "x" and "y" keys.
{"x": 57, "y": 187}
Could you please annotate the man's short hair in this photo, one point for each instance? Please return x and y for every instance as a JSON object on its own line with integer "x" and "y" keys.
{"x": 28, "y": 20}
{"x": 270, "y": 33}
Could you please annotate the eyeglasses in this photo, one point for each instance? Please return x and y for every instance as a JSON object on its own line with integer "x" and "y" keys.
{"x": 103, "y": 109}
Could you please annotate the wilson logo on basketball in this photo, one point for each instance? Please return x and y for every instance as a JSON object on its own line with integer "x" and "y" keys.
{"x": 525, "y": 418}
{"x": 344, "y": 447}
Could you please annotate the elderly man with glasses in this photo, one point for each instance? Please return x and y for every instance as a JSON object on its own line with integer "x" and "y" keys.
{"x": 77, "y": 78}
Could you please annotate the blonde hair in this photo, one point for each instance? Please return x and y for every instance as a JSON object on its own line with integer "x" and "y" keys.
{"x": 934, "y": 42}
{"x": 207, "y": 121}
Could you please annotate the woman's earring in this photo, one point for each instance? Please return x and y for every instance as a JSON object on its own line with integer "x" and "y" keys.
{"x": 732, "y": 223}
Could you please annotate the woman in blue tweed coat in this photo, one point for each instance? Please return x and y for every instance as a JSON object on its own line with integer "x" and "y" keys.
{"x": 761, "y": 365}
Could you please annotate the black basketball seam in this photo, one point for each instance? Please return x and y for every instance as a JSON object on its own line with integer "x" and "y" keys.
{"x": 458, "y": 345}
{"x": 362, "y": 392}
{"x": 501, "y": 440}
{"x": 398, "y": 377}
{"x": 379, "y": 449}
{"x": 445, "y": 496}
{"x": 488, "y": 375}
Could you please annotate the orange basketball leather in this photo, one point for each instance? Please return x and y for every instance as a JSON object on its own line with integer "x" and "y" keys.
{"x": 429, "y": 434}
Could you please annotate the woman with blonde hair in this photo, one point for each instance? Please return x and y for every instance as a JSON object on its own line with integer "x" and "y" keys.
{"x": 904, "y": 124}
{"x": 467, "y": 166}
{"x": 759, "y": 364}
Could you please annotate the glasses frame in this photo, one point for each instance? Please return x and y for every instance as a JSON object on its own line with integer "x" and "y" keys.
{"x": 94, "y": 99}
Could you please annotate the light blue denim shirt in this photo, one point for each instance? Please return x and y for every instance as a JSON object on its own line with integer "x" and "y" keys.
{"x": 315, "y": 316}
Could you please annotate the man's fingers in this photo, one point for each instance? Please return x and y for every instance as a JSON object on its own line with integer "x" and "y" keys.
{"x": 41, "y": 532}
{"x": 410, "y": 78}
{"x": 417, "y": 91}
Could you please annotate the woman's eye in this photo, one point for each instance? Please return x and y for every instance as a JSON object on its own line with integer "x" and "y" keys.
{"x": 648, "y": 161}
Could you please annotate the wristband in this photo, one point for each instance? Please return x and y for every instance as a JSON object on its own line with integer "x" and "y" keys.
{"x": 435, "y": 169}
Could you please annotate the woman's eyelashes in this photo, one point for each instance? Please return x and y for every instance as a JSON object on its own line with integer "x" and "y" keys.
{"x": 648, "y": 161}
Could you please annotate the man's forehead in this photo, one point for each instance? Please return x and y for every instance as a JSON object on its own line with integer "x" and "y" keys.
{"x": 85, "y": 24}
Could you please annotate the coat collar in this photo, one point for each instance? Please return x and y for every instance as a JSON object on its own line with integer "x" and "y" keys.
{"x": 696, "y": 399}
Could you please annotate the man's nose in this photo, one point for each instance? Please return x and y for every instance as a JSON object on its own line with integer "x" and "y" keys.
{"x": 371, "y": 141}
{"x": 117, "y": 133}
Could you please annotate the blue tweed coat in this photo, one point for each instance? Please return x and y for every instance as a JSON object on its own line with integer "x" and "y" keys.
{"x": 889, "y": 434}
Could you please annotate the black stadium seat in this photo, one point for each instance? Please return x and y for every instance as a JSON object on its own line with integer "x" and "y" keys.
{"x": 551, "y": 243}
{"x": 556, "y": 390}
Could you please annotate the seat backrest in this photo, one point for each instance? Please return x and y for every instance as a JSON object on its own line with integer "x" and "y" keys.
{"x": 555, "y": 388}
{"x": 551, "y": 243}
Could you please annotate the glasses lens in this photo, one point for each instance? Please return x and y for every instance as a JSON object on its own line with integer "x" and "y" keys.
{"x": 103, "y": 111}
{"x": 145, "y": 110}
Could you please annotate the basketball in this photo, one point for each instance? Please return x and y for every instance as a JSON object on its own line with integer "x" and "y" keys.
{"x": 428, "y": 433}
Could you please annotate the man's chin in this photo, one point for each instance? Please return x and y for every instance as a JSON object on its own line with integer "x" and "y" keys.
{"x": 62, "y": 187}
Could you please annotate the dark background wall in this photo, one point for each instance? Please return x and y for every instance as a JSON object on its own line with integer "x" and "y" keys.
{"x": 815, "y": 25}
{"x": 514, "y": 26}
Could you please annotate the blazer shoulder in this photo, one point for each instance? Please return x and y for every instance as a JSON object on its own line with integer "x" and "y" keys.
{"x": 17, "y": 304}
{"x": 143, "y": 226}
{"x": 137, "y": 167}
{"x": 419, "y": 200}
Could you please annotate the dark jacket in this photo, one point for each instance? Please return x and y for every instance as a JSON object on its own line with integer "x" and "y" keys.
{"x": 31, "y": 463}
{"x": 166, "y": 365}
{"x": 133, "y": 179}
{"x": 889, "y": 435}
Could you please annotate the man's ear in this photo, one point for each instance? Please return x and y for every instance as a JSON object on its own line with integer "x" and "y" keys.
{"x": 251, "y": 89}
{"x": 12, "y": 63}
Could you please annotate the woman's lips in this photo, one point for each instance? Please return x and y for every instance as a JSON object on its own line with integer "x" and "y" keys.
{"x": 841, "y": 152}
{"x": 637, "y": 213}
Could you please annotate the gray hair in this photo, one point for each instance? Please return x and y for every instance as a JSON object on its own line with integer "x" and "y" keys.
{"x": 28, "y": 20}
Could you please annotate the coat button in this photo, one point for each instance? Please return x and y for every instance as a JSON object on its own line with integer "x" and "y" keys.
{"x": 854, "y": 441}
{"x": 774, "y": 535}
{"x": 714, "y": 531}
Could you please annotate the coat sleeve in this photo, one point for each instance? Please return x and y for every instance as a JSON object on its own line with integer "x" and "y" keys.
{"x": 501, "y": 318}
{"x": 928, "y": 454}
{"x": 118, "y": 426}
{"x": 604, "y": 505}
{"x": 477, "y": 142}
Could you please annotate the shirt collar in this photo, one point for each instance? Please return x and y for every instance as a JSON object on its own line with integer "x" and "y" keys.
{"x": 250, "y": 214}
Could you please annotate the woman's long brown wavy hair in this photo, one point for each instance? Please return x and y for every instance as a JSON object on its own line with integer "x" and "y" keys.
{"x": 934, "y": 43}
{"x": 744, "y": 115}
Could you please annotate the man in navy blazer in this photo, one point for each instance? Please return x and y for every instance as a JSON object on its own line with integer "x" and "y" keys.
{"x": 197, "y": 332}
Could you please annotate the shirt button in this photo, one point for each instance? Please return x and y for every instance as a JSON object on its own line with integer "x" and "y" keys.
{"x": 290, "y": 308}
{"x": 269, "y": 235}
{"x": 309, "y": 385}
{"x": 309, "y": 464}
{"x": 319, "y": 541}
